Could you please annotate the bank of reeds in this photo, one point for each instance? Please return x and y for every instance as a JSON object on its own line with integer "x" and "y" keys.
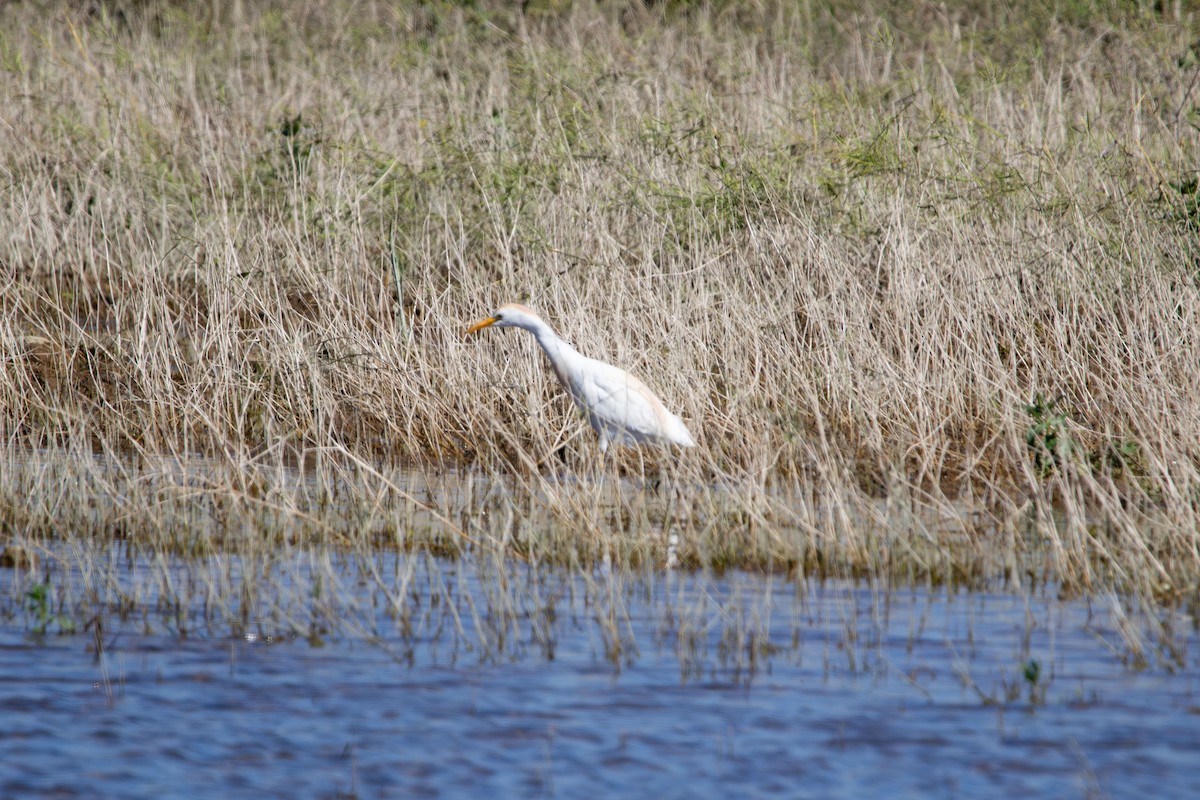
{"x": 922, "y": 279}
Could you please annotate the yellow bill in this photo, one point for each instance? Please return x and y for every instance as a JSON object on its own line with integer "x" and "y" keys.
{"x": 483, "y": 323}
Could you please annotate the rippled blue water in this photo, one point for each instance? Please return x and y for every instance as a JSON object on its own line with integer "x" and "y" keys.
{"x": 740, "y": 686}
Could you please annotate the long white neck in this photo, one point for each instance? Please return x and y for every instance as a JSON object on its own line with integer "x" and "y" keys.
{"x": 561, "y": 354}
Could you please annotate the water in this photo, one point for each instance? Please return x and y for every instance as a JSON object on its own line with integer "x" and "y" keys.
{"x": 500, "y": 681}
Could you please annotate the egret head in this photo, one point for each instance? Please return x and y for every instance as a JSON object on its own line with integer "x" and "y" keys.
{"x": 509, "y": 315}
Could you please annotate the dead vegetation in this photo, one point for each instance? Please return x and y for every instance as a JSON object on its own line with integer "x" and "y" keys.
{"x": 922, "y": 279}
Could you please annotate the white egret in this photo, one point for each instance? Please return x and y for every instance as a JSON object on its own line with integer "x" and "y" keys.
{"x": 619, "y": 407}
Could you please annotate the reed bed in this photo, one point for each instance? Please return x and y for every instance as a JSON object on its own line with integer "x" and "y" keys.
{"x": 922, "y": 279}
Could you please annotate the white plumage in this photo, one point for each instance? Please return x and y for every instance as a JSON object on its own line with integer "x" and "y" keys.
{"x": 619, "y": 407}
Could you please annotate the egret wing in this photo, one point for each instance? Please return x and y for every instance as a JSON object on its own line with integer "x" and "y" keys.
{"x": 623, "y": 404}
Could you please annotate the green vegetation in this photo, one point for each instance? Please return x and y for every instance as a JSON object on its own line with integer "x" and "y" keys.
{"x": 39, "y": 604}
{"x": 1047, "y": 438}
{"x": 850, "y": 244}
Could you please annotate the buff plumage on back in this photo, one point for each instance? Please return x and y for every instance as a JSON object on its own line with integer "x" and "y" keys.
{"x": 619, "y": 407}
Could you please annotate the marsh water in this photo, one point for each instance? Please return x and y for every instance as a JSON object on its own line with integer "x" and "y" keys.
{"x": 421, "y": 677}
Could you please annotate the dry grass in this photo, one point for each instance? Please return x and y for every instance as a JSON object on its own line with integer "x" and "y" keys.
{"x": 922, "y": 279}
